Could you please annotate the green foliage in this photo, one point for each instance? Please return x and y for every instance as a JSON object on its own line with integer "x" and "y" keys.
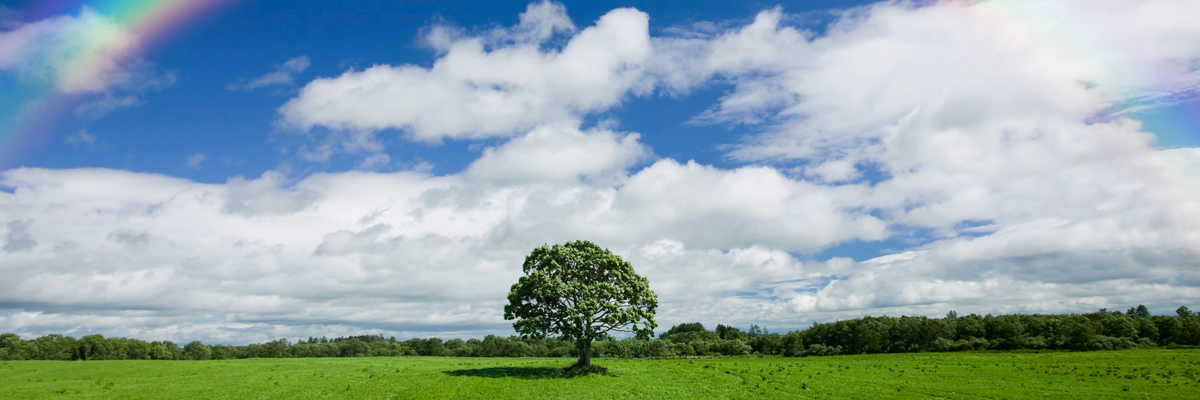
{"x": 1139, "y": 312}
{"x": 906, "y": 334}
{"x": 94, "y": 347}
{"x": 581, "y": 292}
{"x": 728, "y": 332}
{"x": 198, "y": 351}
{"x": 1098, "y": 331}
{"x": 684, "y": 328}
{"x": 54, "y": 347}
{"x": 12, "y": 347}
{"x": 160, "y": 351}
{"x": 792, "y": 344}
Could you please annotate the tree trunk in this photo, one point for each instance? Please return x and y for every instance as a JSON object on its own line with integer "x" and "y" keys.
{"x": 585, "y": 355}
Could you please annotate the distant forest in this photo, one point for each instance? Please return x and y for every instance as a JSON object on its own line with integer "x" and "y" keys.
{"x": 1102, "y": 330}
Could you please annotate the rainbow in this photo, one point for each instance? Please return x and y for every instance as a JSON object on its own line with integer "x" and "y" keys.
{"x": 1140, "y": 85}
{"x": 31, "y": 107}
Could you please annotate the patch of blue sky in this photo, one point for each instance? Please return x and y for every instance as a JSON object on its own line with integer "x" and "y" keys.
{"x": 787, "y": 289}
{"x": 975, "y": 227}
{"x": 903, "y": 238}
{"x": 662, "y": 122}
{"x": 1174, "y": 125}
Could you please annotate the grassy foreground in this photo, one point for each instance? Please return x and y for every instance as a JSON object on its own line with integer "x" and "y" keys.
{"x": 1108, "y": 374}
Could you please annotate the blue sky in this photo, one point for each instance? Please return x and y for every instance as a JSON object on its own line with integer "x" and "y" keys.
{"x": 241, "y": 41}
{"x": 296, "y": 168}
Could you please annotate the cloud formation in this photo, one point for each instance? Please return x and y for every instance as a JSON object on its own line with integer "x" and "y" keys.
{"x": 560, "y": 152}
{"x": 18, "y": 237}
{"x": 1007, "y": 163}
{"x": 483, "y": 87}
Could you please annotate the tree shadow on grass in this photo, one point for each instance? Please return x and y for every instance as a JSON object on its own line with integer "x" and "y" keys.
{"x": 510, "y": 372}
{"x": 530, "y": 372}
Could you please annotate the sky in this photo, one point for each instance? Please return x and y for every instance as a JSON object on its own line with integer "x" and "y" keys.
{"x": 237, "y": 172}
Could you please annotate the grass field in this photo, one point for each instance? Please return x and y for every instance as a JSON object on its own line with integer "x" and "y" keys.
{"x": 1111, "y": 374}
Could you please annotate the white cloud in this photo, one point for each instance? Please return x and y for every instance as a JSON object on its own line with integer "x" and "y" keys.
{"x": 975, "y": 122}
{"x": 412, "y": 254}
{"x": 284, "y": 75}
{"x": 266, "y": 196}
{"x": 18, "y": 238}
{"x": 560, "y": 152}
{"x": 715, "y": 208}
{"x": 538, "y": 25}
{"x": 479, "y": 88}
{"x": 346, "y": 242}
{"x": 342, "y": 248}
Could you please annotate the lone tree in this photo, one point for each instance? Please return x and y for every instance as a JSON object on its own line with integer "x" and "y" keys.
{"x": 581, "y": 292}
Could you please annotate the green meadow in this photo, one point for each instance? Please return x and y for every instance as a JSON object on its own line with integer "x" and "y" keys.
{"x": 996, "y": 375}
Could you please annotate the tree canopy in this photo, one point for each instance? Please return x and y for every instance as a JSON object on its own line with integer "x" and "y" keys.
{"x": 581, "y": 292}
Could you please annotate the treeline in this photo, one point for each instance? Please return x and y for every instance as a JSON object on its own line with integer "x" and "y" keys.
{"x": 98, "y": 347}
{"x": 1102, "y": 330}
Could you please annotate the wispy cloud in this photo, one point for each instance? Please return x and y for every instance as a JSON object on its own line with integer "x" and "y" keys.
{"x": 82, "y": 138}
{"x": 194, "y": 161}
{"x": 284, "y": 75}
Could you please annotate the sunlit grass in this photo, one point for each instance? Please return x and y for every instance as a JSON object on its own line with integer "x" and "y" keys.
{"x": 1111, "y": 374}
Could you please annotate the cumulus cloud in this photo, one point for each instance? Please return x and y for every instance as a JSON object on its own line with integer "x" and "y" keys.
{"x": 718, "y": 208}
{"x": 414, "y": 254}
{"x": 962, "y": 120}
{"x": 481, "y": 87}
{"x": 560, "y": 152}
{"x": 880, "y": 68}
{"x": 971, "y": 122}
{"x": 270, "y": 249}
